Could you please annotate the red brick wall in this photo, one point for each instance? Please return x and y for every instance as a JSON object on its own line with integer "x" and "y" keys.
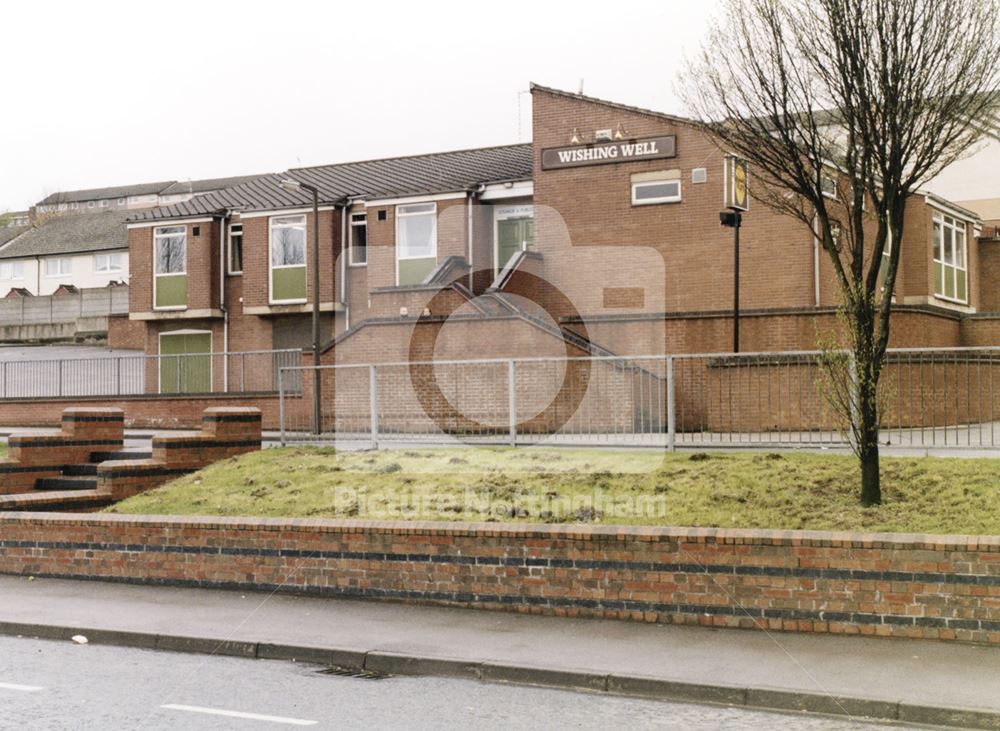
{"x": 933, "y": 587}
{"x": 126, "y": 333}
{"x": 154, "y": 412}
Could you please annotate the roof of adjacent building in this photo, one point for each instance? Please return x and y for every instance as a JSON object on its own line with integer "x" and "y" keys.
{"x": 205, "y": 185}
{"x": 9, "y": 233}
{"x": 94, "y": 194}
{"x": 79, "y": 233}
{"x": 441, "y": 172}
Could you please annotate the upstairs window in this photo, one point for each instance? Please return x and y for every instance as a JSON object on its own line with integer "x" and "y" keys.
{"x": 105, "y": 263}
{"x": 236, "y": 248}
{"x": 656, "y": 191}
{"x": 416, "y": 242}
{"x": 288, "y": 259}
{"x": 11, "y": 270}
{"x": 950, "y": 259}
{"x": 58, "y": 267}
{"x": 359, "y": 240}
{"x": 170, "y": 267}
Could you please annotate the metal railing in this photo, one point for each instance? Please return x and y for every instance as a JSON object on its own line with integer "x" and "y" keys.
{"x": 63, "y": 308}
{"x": 135, "y": 375}
{"x": 928, "y": 397}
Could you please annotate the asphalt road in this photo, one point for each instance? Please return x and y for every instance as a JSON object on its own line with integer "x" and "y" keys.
{"x": 59, "y": 685}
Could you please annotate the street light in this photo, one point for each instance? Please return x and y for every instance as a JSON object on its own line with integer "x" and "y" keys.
{"x": 293, "y": 186}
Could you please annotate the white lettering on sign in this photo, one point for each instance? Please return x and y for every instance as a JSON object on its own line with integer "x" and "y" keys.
{"x": 611, "y": 152}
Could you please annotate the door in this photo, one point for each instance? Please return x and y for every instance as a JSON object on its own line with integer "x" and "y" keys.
{"x": 186, "y": 362}
{"x": 513, "y": 235}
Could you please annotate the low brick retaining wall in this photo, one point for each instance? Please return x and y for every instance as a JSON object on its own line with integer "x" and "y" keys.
{"x": 935, "y": 587}
{"x": 82, "y": 431}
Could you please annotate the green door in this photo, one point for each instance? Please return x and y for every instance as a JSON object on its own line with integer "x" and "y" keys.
{"x": 513, "y": 235}
{"x": 185, "y": 363}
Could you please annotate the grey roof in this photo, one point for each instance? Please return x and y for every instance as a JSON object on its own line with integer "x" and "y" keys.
{"x": 70, "y": 235}
{"x": 8, "y": 233}
{"x": 205, "y": 185}
{"x": 94, "y": 194}
{"x": 442, "y": 172}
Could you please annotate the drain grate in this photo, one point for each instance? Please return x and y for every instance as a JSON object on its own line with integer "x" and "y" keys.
{"x": 353, "y": 673}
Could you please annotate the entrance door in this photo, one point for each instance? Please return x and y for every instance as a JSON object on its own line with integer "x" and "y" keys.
{"x": 513, "y": 235}
{"x": 186, "y": 362}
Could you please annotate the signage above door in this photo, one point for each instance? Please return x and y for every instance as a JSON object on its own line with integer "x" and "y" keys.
{"x": 576, "y": 156}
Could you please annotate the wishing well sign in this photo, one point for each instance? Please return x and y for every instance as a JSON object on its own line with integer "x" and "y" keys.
{"x": 575, "y": 156}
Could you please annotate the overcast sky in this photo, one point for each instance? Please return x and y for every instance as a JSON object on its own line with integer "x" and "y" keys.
{"x": 108, "y": 93}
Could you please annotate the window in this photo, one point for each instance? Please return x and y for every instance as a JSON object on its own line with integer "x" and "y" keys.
{"x": 171, "y": 250}
{"x": 91, "y": 204}
{"x": 62, "y": 206}
{"x": 656, "y": 191}
{"x": 170, "y": 267}
{"x": 950, "y": 268}
{"x": 236, "y": 248}
{"x": 105, "y": 203}
{"x": 108, "y": 262}
{"x": 58, "y": 267}
{"x": 288, "y": 258}
{"x": 828, "y": 186}
{"x": 12, "y": 270}
{"x": 416, "y": 242}
{"x": 74, "y": 206}
{"x": 359, "y": 240}
{"x": 121, "y": 201}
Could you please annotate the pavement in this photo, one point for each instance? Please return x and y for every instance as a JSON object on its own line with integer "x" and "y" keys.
{"x": 912, "y": 681}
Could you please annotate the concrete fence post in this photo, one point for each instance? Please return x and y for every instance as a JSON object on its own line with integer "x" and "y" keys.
{"x": 373, "y": 405}
{"x": 671, "y": 406}
{"x": 511, "y": 403}
{"x": 281, "y": 405}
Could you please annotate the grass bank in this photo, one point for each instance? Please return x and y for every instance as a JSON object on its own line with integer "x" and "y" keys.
{"x": 747, "y": 490}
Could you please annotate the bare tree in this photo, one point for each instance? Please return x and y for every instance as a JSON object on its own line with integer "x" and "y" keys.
{"x": 845, "y": 108}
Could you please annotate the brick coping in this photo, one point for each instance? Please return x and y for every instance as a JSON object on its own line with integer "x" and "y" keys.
{"x": 722, "y": 536}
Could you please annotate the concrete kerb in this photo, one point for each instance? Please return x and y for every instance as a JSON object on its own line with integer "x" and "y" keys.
{"x": 615, "y": 684}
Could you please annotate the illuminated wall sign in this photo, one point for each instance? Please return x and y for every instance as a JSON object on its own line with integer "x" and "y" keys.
{"x": 577, "y": 156}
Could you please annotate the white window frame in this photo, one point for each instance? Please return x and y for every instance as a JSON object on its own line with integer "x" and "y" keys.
{"x": 506, "y": 213}
{"x": 16, "y": 270}
{"x": 956, "y": 226}
{"x": 229, "y": 252}
{"x": 832, "y": 193}
{"x": 662, "y": 199}
{"x": 403, "y": 213}
{"x": 162, "y": 232}
{"x": 60, "y": 273}
{"x": 109, "y": 268}
{"x": 104, "y": 203}
{"x": 351, "y": 224}
{"x": 272, "y": 223}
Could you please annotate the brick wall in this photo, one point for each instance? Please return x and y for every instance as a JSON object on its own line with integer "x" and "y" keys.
{"x": 126, "y": 333}
{"x": 152, "y": 412}
{"x": 898, "y": 585}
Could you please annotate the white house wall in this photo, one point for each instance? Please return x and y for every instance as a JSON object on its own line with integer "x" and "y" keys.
{"x": 82, "y": 274}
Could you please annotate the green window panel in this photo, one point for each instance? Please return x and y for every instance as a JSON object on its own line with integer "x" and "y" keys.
{"x": 186, "y": 363}
{"x": 960, "y": 283}
{"x": 171, "y": 291}
{"x": 414, "y": 271}
{"x": 514, "y": 235}
{"x": 288, "y": 283}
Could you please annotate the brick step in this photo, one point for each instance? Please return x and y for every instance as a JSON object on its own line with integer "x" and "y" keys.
{"x": 80, "y": 470}
{"x": 96, "y": 457}
{"x": 66, "y": 483}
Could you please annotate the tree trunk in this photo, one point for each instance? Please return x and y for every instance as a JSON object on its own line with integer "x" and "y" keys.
{"x": 867, "y": 432}
{"x": 871, "y": 487}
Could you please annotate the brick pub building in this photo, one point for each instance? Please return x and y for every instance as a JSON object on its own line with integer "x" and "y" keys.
{"x": 601, "y": 237}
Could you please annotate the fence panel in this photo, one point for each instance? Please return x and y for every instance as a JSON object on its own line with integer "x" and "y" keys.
{"x": 928, "y": 398}
{"x": 133, "y": 375}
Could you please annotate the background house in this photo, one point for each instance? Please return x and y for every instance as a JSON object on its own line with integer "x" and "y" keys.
{"x": 81, "y": 250}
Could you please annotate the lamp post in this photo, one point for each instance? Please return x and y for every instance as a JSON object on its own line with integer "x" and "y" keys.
{"x": 294, "y": 185}
{"x": 733, "y": 219}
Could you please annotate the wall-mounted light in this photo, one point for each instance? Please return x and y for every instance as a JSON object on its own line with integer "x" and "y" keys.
{"x": 619, "y": 132}
{"x": 575, "y": 139}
